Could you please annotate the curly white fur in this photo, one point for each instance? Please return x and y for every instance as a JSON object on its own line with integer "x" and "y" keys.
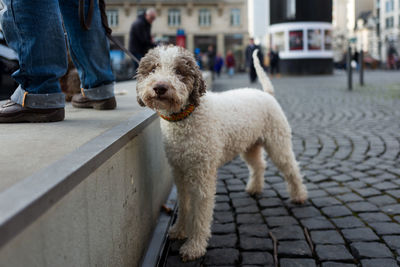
{"x": 223, "y": 125}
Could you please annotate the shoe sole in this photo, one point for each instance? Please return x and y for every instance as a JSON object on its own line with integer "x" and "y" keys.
{"x": 99, "y": 105}
{"x": 57, "y": 115}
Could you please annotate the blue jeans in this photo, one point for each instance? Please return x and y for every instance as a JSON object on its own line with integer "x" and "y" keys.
{"x": 33, "y": 28}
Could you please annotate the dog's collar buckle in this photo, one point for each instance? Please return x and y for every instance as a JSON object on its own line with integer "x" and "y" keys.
{"x": 174, "y": 117}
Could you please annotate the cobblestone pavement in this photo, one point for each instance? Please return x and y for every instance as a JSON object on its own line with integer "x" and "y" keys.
{"x": 348, "y": 146}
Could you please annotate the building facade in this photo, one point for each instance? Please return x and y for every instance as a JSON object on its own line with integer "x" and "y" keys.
{"x": 222, "y": 24}
{"x": 388, "y": 18}
{"x": 302, "y": 36}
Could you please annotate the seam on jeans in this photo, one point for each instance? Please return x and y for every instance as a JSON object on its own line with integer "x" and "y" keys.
{"x": 23, "y": 99}
{"x": 83, "y": 92}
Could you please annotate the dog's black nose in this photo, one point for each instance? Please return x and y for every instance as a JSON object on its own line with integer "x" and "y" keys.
{"x": 160, "y": 89}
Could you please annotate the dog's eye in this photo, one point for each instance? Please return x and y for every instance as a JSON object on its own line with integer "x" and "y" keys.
{"x": 179, "y": 72}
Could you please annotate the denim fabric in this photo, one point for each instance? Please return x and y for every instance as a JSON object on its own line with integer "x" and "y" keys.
{"x": 33, "y": 28}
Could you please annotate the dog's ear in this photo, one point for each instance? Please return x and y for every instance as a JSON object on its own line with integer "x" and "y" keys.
{"x": 199, "y": 88}
{"x": 140, "y": 101}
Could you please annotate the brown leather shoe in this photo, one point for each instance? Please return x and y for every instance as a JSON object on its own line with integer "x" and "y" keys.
{"x": 79, "y": 101}
{"x": 13, "y": 112}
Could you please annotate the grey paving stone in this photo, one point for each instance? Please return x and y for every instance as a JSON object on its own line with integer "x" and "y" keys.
{"x": 325, "y": 202}
{"x": 249, "y": 209}
{"x": 359, "y": 234}
{"x": 326, "y": 237}
{"x": 225, "y": 256}
{"x": 223, "y": 241}
{"x": 318, "y": 178}
{"x": 274, "y": 212}
{"x": 374, "y": 217}
{"x": 227, "y": 228}
{"x": 234, "y": 195}
{"x": 259, "y": 258}
{"x": 249, "y": 218}
{"x": 337, "y": 264}
{"x": 255, "y": 243}
{"x": 175, "y": 261}
{"x": 297, "y": 263}
{"x": 221, "y": 198}
{"x": 333, "y": 252}
{"x": 290, "y": 232}
{"x": 223, "y": 217}
{"x": 257, "y": 230}
{"x": 382, "y": 200}
{"x": 336, "y": 211}
{"x": 280, "y": 221}
{"x": 362, "y": 207}
{"x": 337, "y": 190}
{"x": 294, "y": 249}
{"x": 328, "y": 184}
{"x": 379, "y": 262}
{"x": 234, "y": 181}
{"x": 393, "y": 241}
{"x": 394, "y": 193}
{"x": 348, "y": 222}
{"x": 392, "y": 209}
{"x": 342, "y": 178}
{"x": 397, "y": 218}
{"x": 350, "y": 197}
{"x": 222, "y": 207}
{"x": 305, "y": 212}
{"x": 221, "y": 190}
{"x": 356, "y": 184}
{"x": 385, "y": 186}
{"x": 367, "y": 192}
{"x": 386, "y": 228}
{"x": 236, "y": 187}
{"x": 243, "y": 202}
{"x": 316, "y": 193}
{"x": 317, "y": 223}
{"x": 270, "y": 202}
{"x": 370, "y": 250}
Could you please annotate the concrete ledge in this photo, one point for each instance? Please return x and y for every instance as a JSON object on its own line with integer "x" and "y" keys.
{"x": 96, "y": 206}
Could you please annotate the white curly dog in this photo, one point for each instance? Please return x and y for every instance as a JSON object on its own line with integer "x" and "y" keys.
{"x": 203, "y": 130}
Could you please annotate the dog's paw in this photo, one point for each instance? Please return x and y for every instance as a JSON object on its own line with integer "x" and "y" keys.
{"x": 176, "y": 233}
{"x": 254, "y": 188}
{"x": 299, "y": 196}
{"x": 192, "y": 250}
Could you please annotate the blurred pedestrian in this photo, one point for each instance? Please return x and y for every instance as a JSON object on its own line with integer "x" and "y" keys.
{"x": 37, "y": 35}
{"x": 230, "y": 63}
{"x": 274, "y": 62}
{"x": 197, "y": 56}
{"x": 140, "y": 40}
{"x": 249, "y": 59}
{"x": 211, "y": 59}
{"x": 219, "y": 63}
{"x": 391, "y": 59}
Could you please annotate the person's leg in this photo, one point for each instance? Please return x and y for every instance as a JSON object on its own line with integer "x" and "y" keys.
{"x": 91, "y": 56}
{"x": 38, "y": 39}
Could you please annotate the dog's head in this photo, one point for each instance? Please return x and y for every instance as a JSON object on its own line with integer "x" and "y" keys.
{"x": 169, "y": 79}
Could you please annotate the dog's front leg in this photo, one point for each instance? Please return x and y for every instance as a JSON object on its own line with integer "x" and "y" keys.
{"x": 202, "y": 193}
{"x": 178, "y": 230}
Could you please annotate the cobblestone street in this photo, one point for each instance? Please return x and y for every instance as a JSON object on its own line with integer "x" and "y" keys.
{"x": 348, "y": 147}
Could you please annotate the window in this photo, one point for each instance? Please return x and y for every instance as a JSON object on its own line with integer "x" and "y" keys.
{"x": 112, "y": 17}
{"x": 290, "y": 9}
{"x": 204, "y": 17}
{"x": 389, "y": 22}
{"x": 389, "y": 5}
{"x": 174, "y": 17}
{"x": 235, "y": 17}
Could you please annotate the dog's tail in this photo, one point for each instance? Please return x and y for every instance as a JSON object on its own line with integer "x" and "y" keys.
{"x": 264, "y": 80}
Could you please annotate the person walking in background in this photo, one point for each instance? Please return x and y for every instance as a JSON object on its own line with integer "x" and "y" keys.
{"x": 249, "y": 59}
{"x": 274, "y": 62}
{"x": 140, "y": 40}
{"x": 219, "y": 62}
{"x": 211, "y": 59}
{"x": 230, "y": 63}
{"x": 37, "y": 36}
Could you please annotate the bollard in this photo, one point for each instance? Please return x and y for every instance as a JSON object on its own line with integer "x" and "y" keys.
{"x": 361, "y": 67}
{"x": 349, "y": 70}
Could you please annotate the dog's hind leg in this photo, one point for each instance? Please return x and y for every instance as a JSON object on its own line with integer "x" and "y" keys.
{"x": 281, "y": 153}
{"x": 178, "y": 230}
{"x": 255, "y": 161}
{"x": 202, "y": 194}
